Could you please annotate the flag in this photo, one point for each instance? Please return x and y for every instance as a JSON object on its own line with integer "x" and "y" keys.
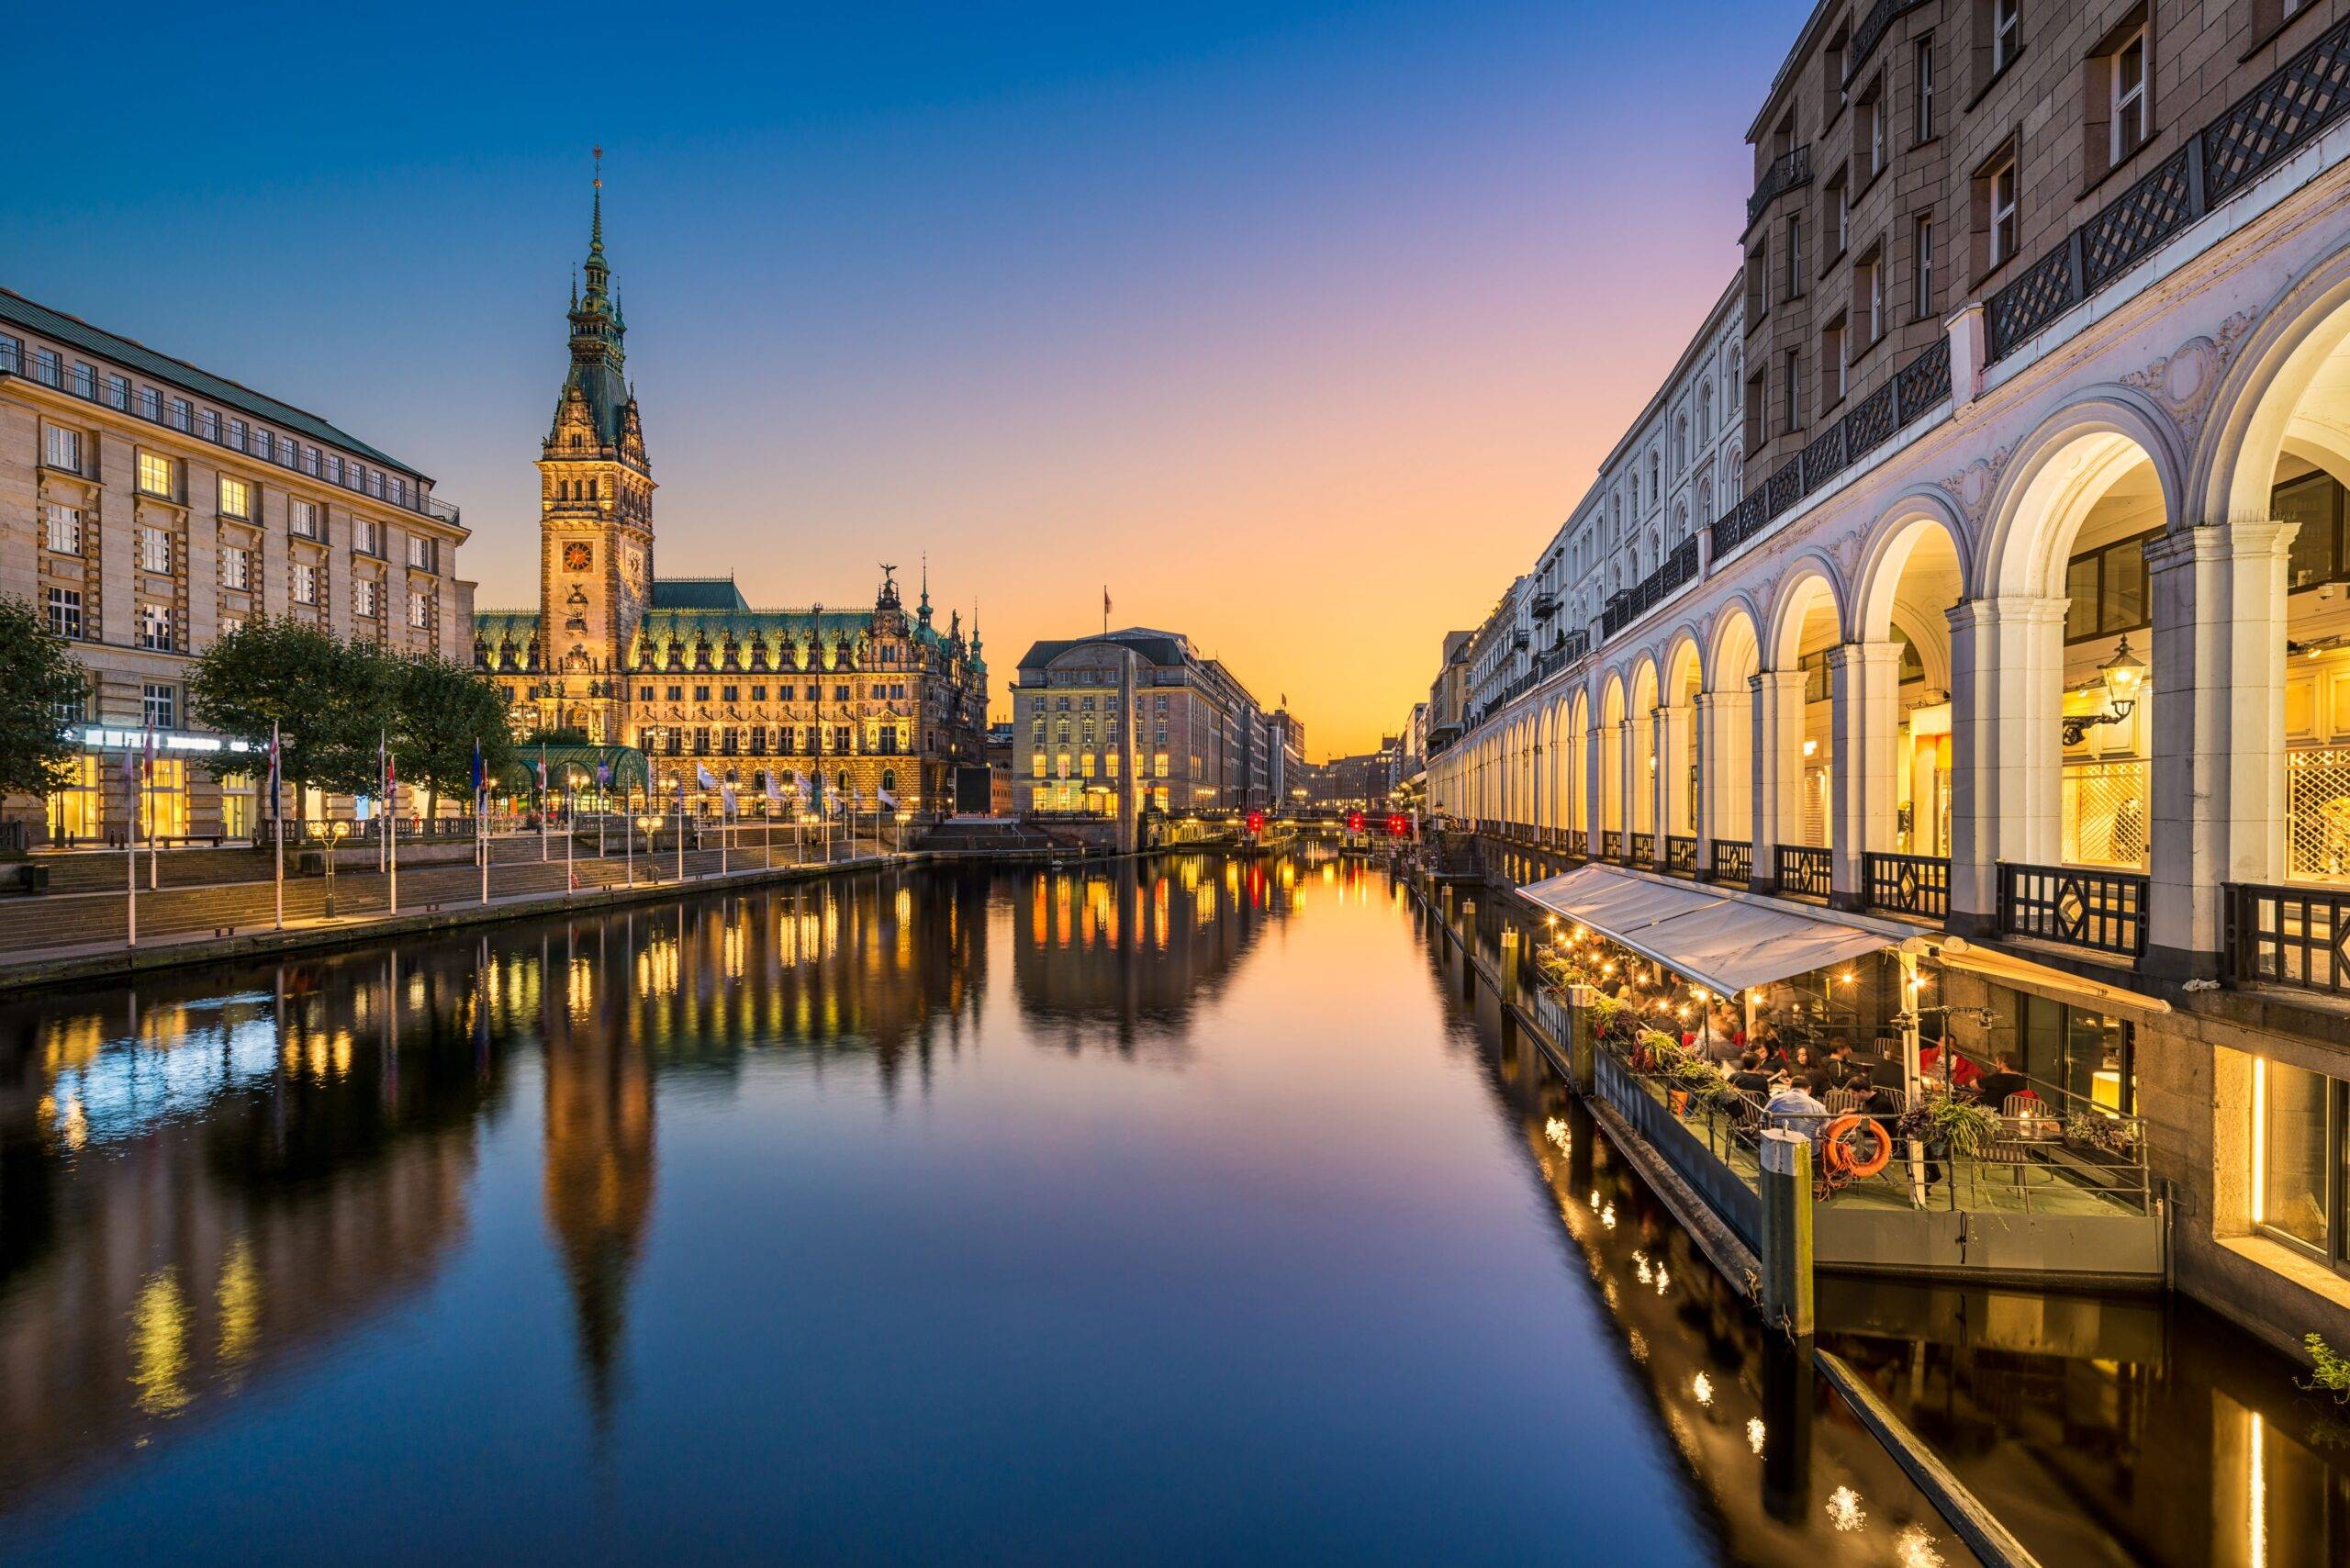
{"x": 774, "y": 791}
{"x": 543, "y": 770}
{"x": 391, "y": 784}
{"x": 887, "y": 799}
{"x": 1105, "y": 601}
{"x": 702, "y": 778}
{"x": 147, "y": 755}
{"x": 481, "y": 774}
{"x": 274, "y": 765}
{"x": 726, "y": 799}
{"x": 603, "y": 774}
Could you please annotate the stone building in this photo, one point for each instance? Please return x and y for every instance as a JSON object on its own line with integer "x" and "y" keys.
{"x": 146, "y": 506}
{"x": 1197, "y": 739}
{"x": 872, "y": 699}
{"x": 2028, "y": 626}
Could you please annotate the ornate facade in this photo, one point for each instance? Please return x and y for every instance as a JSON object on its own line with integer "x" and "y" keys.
{"x": 875, "y": 698}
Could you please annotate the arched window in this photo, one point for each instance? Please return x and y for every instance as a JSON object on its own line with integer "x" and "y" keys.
{"x": 1680, "y": 522}
{"x": 1656, "y": 479}
{"x": 890, "y": 780}
{"x": 1705, "y": 411}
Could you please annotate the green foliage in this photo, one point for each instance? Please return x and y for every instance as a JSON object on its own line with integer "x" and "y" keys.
{"x": 561, "y": 734}
{"x": 441, "y": 710}
{"x": 2331, "y": 1373}
{"x": 40, "y": 690}
{"x": 1966, "y": 1127}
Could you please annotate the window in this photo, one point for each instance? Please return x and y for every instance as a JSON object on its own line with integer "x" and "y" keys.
{"x": 65, "y": 611}
{"x": 1792, "y": 383}
{"x": 231, "y": 625}
{"x": 2106, "y": 588}
{"x": 1834, "y": 364}
{"x": 1921, "y": 261}
{"x": 1840, "y": 215}
{"x": 159, "y": 706}
{"x": 1868, "y": 298}
{"x": 367, "y": 598}
{"x": 758, "y": 694}
{"x": 367, "y": 536}
{"x": 302, "y": 517}
{"x": 207, "y": 424}
{"x": 1758, "y": 282}
{"x": 1996, "y": 193}
{"x": 182, "y": 415}
{"x": 61, "y": 447}
{"x": 236, "y": 567}
{"x": 236, "y": 496}
{"x": 119, "y": 391}
{"x": 424, "y": 553}
{"x": 305, "y": 583}
{"x": 150, "y": 404}
{"x": 2006, "y": 33}
{"x": 677, "y": 694}
{"x": 840, "y": 738}
{"x": 155, "y": 550}
{"x": 2126, "y": 87}
{"x": 2297, "y": 1155}
{"x": 155, "y": 627}
{"x": 1868, "y": 131}
{"x": 701, "y": 693}
{"x": 2321, "y": 554}
{"x": 1795, "y": 254}
{"x": 730, "y": 694}
{"x": 840, "y": 693}
{"x": 159, "y": 476}
{"x": 1922, "y": 84}
{"x": 63, "y": 528}
{"x": 419, "y": 609}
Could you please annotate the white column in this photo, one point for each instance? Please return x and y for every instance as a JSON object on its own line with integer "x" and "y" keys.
{"x": 1865, "y": 706}
{"x": 1728, "y": 781}
{"x": 2007, "y": 746}
{"x": 1777, "y": 769}
{"x": 2218, "y": 734}
{"x": 1705, "y": 752}
{"x": 1675, "y": 735}
{"x": 1627, "y": 781}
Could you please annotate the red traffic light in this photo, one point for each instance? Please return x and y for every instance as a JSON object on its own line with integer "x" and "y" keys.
{"x": 1255, "y": 824}
{"x": 1354, "y": 822}
{"x": 1397, "y": 826}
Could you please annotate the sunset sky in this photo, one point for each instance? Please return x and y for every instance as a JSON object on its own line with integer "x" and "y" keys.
{"x": 1299, "y": 328}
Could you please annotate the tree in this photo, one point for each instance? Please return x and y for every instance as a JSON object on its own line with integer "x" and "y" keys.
{"x": 41, "y": 692}
{"x": 443, "y": 710}
{"x": 329, "y": 700}
{"x": 558, "y": 734}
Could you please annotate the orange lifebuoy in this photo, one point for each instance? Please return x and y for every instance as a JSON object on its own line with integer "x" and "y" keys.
{"x": 1838, "y": 1154}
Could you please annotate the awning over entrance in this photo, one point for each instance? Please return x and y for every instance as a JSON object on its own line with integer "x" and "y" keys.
{"x": 1727, "y": 943}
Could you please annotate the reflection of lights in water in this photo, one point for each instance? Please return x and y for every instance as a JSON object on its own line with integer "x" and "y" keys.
{"x": 1607, "y": 1217}
{"x": 1640, "y": 1270}
{"x": 1664, "y": 1279}
{"x": 1594, "y": 1197}
{"x": 240, "y": 1298}
{"x": 159, "y": 1345}
{"x": 1556, "y": 1131}
{"x": 1703, "y": 1387}
{"x": 1639, "y": 1345}
{"x": 1915, "y": 1548}
{"x": 2257, "y": 1495}
{"x": 1844, "y": 1510}
{"x": 1612, "y": 1296}
{"x": 1755, "y": 1432}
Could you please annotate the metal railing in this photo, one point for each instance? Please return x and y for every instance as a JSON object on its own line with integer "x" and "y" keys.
{"x": 1681, "y": 853}
{"x": 1611, "y": 845}
{"x": 1630, "y": 604}
{"x": 1869, "y": 31}
{"x": 83, "y": 382}
{"x": 1785, "y": 172}
{"x": 1907, "y": 884}
{"x": 1733, "y": 860}
{"x": 1805, "y": 870}
{"x": 2289, "y": 109}
{"x": 1644, "y": 849}
{"x": 2079, "y": 906}
{"x": 2280, "y": 935}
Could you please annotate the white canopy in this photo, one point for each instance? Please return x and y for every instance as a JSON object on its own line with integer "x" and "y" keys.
{"x": 1722, "y": 940}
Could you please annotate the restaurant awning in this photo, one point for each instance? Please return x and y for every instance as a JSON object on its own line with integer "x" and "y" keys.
{"x": 1731, "y": 942}
{"x": 1723, "y": 941}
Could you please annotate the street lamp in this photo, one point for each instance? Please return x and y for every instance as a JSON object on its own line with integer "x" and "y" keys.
{"x": 2118, "y": 679}
{"x": 651, "y": 824}
{"x": 328, "y": 834}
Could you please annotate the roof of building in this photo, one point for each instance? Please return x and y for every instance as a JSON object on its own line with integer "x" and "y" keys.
{"x": 698, "y": 593}
{"x": 1165, "y": 649}
{"x": 133, "y": 354}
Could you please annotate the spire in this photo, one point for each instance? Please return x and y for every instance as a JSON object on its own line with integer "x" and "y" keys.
{"x": 597, "y": 330}
{"x": 595, "y": 229}
{"x": 923, "y": 612}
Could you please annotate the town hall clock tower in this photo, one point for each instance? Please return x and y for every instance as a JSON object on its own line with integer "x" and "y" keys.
{"x": 595, "y": 517}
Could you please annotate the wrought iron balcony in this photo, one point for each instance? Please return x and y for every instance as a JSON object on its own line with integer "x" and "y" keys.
{"x": 1869, "y": 31}
{"x": 1546, "y": 605}
{"x": 1786, "y": 172}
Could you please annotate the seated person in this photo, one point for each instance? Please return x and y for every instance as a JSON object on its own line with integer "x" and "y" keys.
{"x": 1993, "y": 1088}
{"x": 1793, "y": 1108}
{"x": 1752, "y": 1077}
{"x": 1877, "y": 1103}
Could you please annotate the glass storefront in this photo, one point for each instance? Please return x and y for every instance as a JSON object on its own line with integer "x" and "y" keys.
{"x": 76, "y": 812}
{"x": 163, "y": 801}
{"x": 2090, "y": 1054}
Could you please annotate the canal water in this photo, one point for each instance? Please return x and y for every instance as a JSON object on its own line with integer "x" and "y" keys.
{"x": 1191, "y": 1211}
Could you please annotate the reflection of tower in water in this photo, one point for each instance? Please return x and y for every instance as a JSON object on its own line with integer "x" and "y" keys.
{"x": 597, "y": 1163}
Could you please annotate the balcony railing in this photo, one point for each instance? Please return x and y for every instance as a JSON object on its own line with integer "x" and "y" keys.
{"x": 1786, "y": 172}
{"x": 83, "y": 382}
{"x": 1575, "y": 646}
{"x": 1907, "y": 884}
{"x": 1611, "y": 845}
{"x": 1681, "y": 853}
{"x": 1733, "y": 860}
{"x": 2289, "y": 936}
{"x": 1804, "y": 871}
{"x": 1869, "y": 31}
{"x": 2079, "y": 906}
{"x": 1644, "y": 849}
{"x": 2287, "y": 111}
{"x": 1624, "y": 608}
{"x": 1546, "y": 605}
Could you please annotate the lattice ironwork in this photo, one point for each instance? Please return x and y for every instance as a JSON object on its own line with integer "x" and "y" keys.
{"x": 2040, "y": 294}
{"x": 1733, "y": 860}
{"x": 1804, "y": 870}
{"x": 2297, "y": 937}
{"x": 1611, "y": 845}
{"x": 1786, "y": 172}
{"x": 1644, "y": 849}
{"x": 2102, "y": 911}
{"x": 1870, "y": 424}
{"x": 1907, "y": 884}
{"x": 2158, "y": 207}
{"x": 1782, "y": 489}
{"x": 2317, "y": 816}
{"x": 1823, "y": 459}
{"x": 1681, "y": 853}
{"x": 2259, "y": 130}
{"x": 1923, "y": 381}
{"x": 2106, "y": 811}
{"x": 1869, "y": 31}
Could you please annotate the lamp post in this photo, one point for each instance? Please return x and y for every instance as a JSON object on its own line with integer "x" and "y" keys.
{"x": 648, "y": 823}
{"x": 330, "y": 834}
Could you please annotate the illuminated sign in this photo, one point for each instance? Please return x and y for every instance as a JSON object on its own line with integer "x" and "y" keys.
{"x": 107, "y": 737}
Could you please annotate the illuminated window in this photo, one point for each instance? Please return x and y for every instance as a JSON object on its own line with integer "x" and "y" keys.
{"x": 159, "y": 476}
{"x": 237, "y": 498}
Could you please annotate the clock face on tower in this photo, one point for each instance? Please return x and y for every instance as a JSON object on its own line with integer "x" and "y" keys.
{"x": 577, "y": 557}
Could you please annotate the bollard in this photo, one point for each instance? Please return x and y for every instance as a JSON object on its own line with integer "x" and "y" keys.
{"x": 1510, "y": 964}
{"x": 1786, "y": 1230}
{"x": 1583, "y": 1027}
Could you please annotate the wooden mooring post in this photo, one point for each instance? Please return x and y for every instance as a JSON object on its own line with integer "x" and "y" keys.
{"x": 1787, "y": 1231}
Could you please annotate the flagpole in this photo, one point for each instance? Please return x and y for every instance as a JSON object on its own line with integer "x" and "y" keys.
{"x": 277, "y": 826}
{"x": 681, "y": 828}
{"x": 131, "y": 865}
{"x": 382, "y": 771}
{"x": 147, "y": 788}
{"x": 392, "y": 827}
{"x": 543, "y": 803}
{"x": 570, "y": 874}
